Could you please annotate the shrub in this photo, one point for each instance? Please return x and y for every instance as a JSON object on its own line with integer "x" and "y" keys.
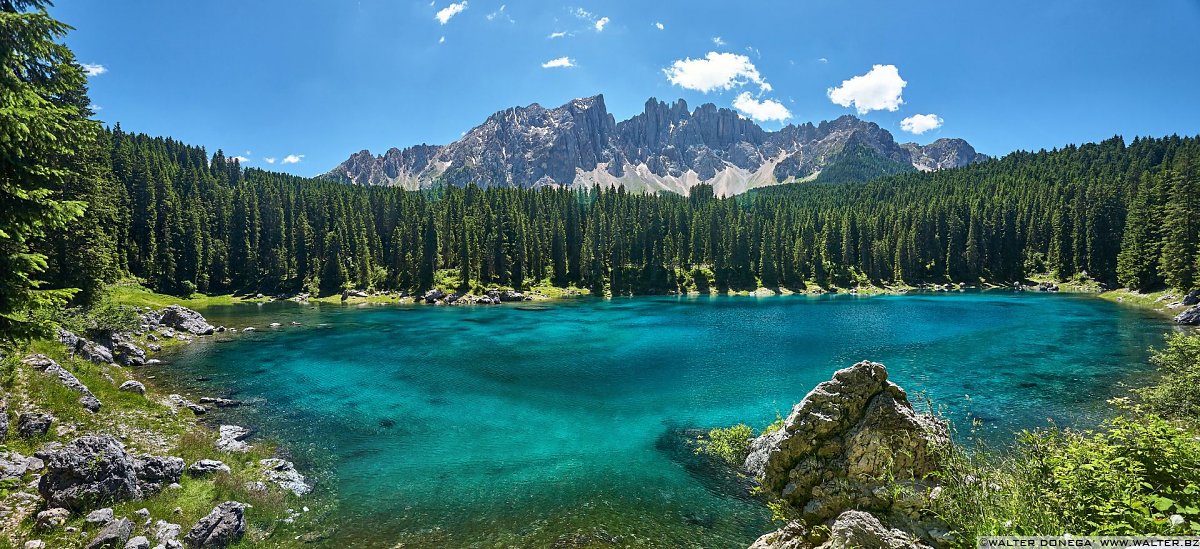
{"x": 730, "y": 444}
{"x": 1176, "y": 395}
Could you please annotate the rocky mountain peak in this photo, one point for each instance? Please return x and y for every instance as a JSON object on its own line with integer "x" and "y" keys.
{"x": 665, "y": 147}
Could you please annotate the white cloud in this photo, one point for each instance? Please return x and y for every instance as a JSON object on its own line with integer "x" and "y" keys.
{"x": 94, "y": 69}
{"x": 660, "y": 26}
{"x": 561, "y": 62}
{"x": 293, "y": 159}
{"x": 822, "y": 60}
{"x": 500, "y": 14}
{"x": 762, "y": 111}
{"x": 442, "y": 40}
{"x": 921, "y": 123}
{"x": 269, "y": 159}
{"x": 716, "y": 40}
{"x": 557, "y": 34}
{"x": 879, "y": 89}
{"x": 600, "y": 23}
{"x": 95, "y": 108}
{"x": 715, "y": 71}
{"x": 443, "y": 15}
{"x": 240, "y": 159}
{"x": 582, "y": 13}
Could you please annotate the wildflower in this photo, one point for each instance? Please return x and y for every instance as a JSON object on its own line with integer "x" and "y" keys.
{"x": 1177, "y": 520}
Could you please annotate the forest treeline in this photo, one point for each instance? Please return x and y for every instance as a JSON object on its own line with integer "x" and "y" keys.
{"x": 82, "y": 206}
{"x": 185, "y": 221}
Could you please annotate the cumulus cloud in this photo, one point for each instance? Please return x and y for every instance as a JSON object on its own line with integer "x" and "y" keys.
{"x": 716, "y": 71}
{"x": 822, "y": 60}
{"x": 442, "y": 40}
{"x": 293, "y": 159}
{"x": 879, "y": 89}
{"x": 240, "y": 159}
{"x": 269, "y": 159}
{"x": 762, "y": 111}
{"x": 716, "y": 40}
{"x": 660, "y": 26}
{"x": 94, "y": 69}
{"x": 443, "y": 15}
{"x": 600, "y": 23}
{"x": 921, "y": 123}
{"x": 557, "y": 34}
{"x": 561, "y": 62}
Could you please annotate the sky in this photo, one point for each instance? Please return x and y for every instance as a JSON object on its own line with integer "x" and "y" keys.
{"x": 299, "y": 85}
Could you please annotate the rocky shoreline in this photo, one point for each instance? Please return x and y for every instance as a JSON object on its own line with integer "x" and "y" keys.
{"x": 91, "y": 473}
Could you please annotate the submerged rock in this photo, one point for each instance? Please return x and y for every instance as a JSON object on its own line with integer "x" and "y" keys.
{"x": 46, "y": 364}
{"x": 185, "y": 319}
{"x": 225, "y": 525}
{"x": 179, "y": 402}
{"x": 220, "y": 402}
{"x": 89, "y": 471}
{"x": 847, "y": 447}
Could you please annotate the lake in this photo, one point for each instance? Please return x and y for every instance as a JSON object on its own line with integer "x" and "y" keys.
{"x": 563, "y": 422}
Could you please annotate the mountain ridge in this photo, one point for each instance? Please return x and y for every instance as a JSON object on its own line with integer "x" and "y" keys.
{"x": 666, "y": 147}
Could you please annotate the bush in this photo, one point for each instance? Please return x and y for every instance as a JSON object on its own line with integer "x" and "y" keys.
{"x": 730, "y": 444}
{"x": 1177, "y": 393}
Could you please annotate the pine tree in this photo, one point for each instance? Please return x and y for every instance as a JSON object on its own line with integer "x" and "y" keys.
{"x": 43, "y": 126}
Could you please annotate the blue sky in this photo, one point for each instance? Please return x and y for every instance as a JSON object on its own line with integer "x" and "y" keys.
{"x": 317, "y": 81}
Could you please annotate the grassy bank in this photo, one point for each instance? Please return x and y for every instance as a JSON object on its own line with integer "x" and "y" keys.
{"x": 134, "y": 294}
{"x": 146, "y": 425}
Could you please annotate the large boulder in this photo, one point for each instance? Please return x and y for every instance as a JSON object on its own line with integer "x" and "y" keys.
{"x": 155, "y": 472}
{"x": 126, "y": 352}
{"x": 88, "y": 350}
{"x": 848, "y": 446}
{"x": 1190, "y": 317}
{"x": 34, "y": 424}
{"x": 112, "y": 536}
{"x": 185, "y": 319}
{"x": 222, "y": 527}
{"x": 48, "y": 365}
{"x": 87, "y": 472}
{"x": 1192, "y": 298}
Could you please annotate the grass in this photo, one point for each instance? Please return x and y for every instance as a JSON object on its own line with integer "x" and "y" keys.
{"x": 1157, "y": 302}
{"x": 134, "y": 294}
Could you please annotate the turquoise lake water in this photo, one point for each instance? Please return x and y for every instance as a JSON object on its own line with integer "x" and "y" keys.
{"x": 561, "y": 423}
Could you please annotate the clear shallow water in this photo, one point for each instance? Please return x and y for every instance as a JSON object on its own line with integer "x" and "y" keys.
{"x": 501, "y": 426}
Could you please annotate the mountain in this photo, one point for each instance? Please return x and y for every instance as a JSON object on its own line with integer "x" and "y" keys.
{"x": 666, "y": 147}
